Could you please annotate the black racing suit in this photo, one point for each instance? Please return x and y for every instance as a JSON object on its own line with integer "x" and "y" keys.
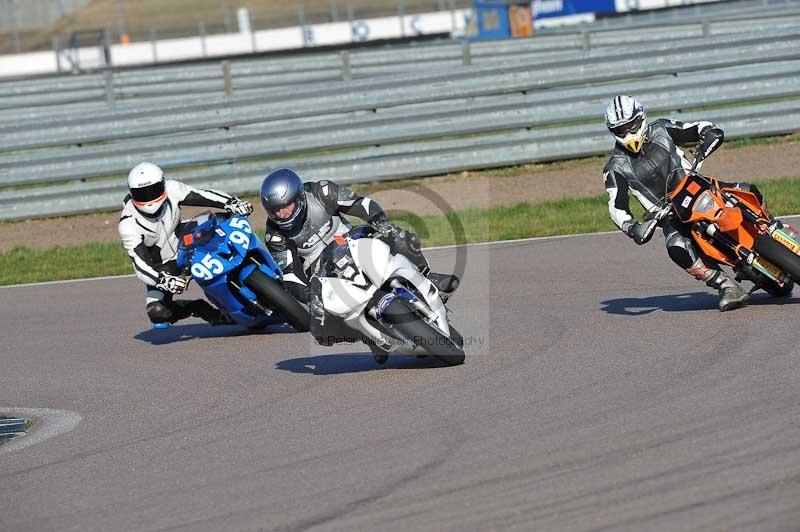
{"x": 298, "y": 252}
{"x": 645, "y": 175}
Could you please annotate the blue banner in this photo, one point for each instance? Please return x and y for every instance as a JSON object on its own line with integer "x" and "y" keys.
{"x": 560, "y": 8}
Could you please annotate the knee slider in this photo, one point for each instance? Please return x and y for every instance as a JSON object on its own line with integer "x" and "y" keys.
{"x": 158, "y": 312}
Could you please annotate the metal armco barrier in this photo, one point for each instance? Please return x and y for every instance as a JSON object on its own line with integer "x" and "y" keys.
{"x": 299, "y": 136}
{"x": 462, "y": 82}
{"x": 282, "y": 72}
{"x": 508, "y": 107}
{"x": 411, "y": 159}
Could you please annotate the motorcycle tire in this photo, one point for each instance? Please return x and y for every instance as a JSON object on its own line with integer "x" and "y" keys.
{"x": 272, "y": 294}
{"x": 432, "y": 341}
{"x": 779, "y": 255}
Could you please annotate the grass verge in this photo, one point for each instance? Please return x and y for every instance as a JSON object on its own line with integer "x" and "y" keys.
{"x": 567, "y": 216}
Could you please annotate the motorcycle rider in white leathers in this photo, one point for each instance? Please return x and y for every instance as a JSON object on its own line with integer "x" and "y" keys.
{"x": 149, "y": 226}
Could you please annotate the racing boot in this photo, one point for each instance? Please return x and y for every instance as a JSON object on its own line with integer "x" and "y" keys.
{"x": 202, "y": 309}
{"x": 316, "y": 322}
{"x": 444, "y": 282}
{"x": 731, "y": 294}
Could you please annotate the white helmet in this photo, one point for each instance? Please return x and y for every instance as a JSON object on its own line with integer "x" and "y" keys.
{"x": 627, "y": 121}
{"x": 146, "y": 185}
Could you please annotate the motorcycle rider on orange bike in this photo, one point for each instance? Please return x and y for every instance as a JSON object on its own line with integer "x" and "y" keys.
{"x": 643, "y": 158}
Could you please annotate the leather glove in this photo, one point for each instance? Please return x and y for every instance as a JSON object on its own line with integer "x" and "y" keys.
{"x": 641, "y": 233}
{"x": 173, "y": 284}
{"x": 385, "y": 227}
{"x": 389, "y": 230}
{"x": 239, "y": 207}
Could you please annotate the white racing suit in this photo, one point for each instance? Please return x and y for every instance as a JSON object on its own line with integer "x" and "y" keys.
{"x": 152, "y": 245}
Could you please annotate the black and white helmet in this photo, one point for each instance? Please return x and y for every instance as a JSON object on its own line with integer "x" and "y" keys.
{"x": 627, "y": 121}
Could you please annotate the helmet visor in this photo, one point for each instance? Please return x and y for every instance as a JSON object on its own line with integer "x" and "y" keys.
{"x": 148, "y": 193}
{"x": 629, "y": 127}
{"x": 284, "y": 212}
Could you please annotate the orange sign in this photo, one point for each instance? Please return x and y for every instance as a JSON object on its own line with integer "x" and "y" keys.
{"x": 521, "y": 21}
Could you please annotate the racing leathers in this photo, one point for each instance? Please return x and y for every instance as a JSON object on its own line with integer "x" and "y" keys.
{"x": 298, "y": 251}
{"x": 645, "y": 174}
{"x": 152, "y": 245}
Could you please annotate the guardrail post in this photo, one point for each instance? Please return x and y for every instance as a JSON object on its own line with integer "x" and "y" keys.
{"x": 154, "y": 45}
{"x": 226, "y": 75}
{"x": 344, "y": 57}
{"x": 57, "y": 50}
{"x": 334, "y": 11}
{"x": 109, "y": 79}
{"x": 586, "y": 41}
{"x": 401, "y": 14}
{"x": 108, "y": 73}
{"x": 706, "y": 28}
{"x": 466, "y": 53}
{"x": 201, "y": 30}
{"x": 350, "y": 17}
{"x": 15, "y": 27}
{"x": 226, "y": 16}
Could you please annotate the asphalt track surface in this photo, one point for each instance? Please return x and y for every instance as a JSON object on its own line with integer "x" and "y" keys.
{"x": 608, "y": 394}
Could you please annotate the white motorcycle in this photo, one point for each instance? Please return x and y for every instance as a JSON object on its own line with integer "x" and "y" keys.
{"x": 384, "y": 301}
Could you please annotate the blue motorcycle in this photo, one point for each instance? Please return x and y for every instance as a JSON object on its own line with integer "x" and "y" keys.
{"x": 236, "y": 272}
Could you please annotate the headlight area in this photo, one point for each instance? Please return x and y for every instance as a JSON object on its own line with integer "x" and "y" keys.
{"x": 704, "y": 203}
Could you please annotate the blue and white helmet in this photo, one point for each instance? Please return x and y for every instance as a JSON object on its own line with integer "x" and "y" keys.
{"x": 627, "y": 121}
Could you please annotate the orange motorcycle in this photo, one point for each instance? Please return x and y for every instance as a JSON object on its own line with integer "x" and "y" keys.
{"x": 731, "y": 226}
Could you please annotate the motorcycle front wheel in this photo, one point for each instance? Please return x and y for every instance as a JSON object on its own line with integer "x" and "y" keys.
{"x": 779, "y": 255}
{"x": 406, "y": 322}
{"x": 272, "y": 294}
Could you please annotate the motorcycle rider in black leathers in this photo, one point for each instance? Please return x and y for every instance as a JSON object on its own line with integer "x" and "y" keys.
{"x": 149, "y": 227}
{"x": 643, "y": 158}
{"x": 303, "y": 218}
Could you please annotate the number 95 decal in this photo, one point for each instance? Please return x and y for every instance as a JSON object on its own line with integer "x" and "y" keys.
{"x": 207, "y": 268}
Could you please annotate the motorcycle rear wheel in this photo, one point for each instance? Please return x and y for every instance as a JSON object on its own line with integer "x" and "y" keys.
{"x": 779, "y": 255}
{"x": 406, "y": 322}
{"x": 272, "y": 294}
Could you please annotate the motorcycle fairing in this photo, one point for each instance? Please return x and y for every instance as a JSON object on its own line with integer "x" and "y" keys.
{"x": 226, "y": 288}
{"x": 348, "y": 297}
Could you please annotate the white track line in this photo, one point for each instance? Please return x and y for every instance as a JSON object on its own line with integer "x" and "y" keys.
{"x": 449, "y": 246}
